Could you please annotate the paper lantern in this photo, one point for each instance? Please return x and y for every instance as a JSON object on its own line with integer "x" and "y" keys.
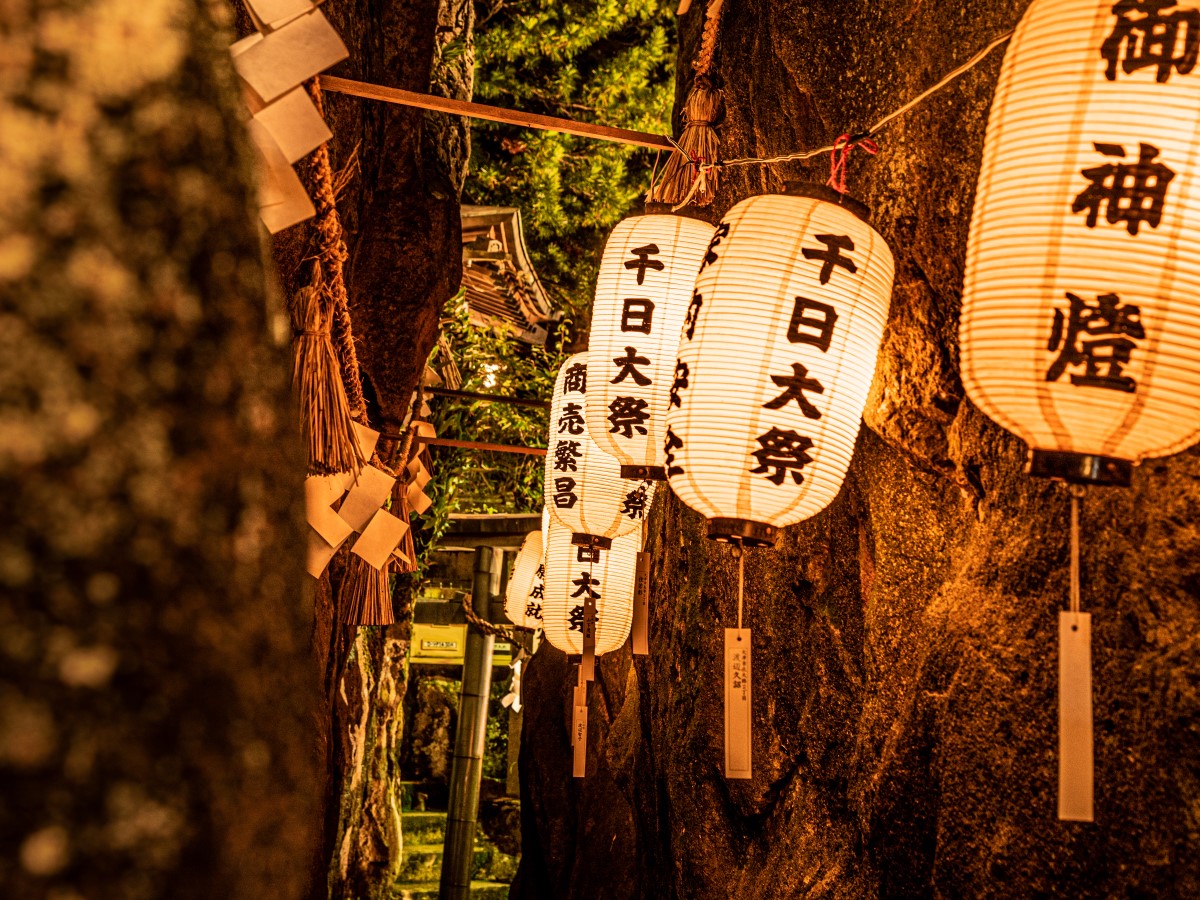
{"x": 571, "y": 573}
{"x": 583, "y": 486}
{"x": 642, "y": 293}
{"x": 1080, "y": 327}
{"x": 525, "y": 592}
{"x": 776, "y": 358}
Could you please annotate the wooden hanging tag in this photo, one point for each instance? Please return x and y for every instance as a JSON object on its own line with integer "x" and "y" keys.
{"x": 1075, "y": 760}
{"x": 737, "y": 703}
{"x": 579, "y": 730}
{"x": 641, "y": 605}
{"x": 588, "y": 665}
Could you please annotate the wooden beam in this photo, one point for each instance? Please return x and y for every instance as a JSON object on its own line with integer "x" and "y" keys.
{"x": 491, "y": 398}
{"x": 476, "y": 445}
{"x": 493, "y": 113}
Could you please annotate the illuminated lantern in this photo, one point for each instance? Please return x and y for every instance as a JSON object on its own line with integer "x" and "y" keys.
{"x": 775, "y": 361}
{"x": 1080, "y": 327}
{"x": 573, "y": 575}
{"x": 642, "y": 293}
{"x": 583, "y": 487}
{"x": 526, "y": 586}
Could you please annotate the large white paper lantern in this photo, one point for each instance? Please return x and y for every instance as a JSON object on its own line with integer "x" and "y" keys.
{"x": 525, "y": 593}
{"x": 642, "y": 293}
{"x": 571, "y": 572}
{"x": 583, "y": 487}
{"x": 775, "y": 362}
{"x": 1080, "y": 327}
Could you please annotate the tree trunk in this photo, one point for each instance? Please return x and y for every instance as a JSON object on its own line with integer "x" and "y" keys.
{"x": 157, "y": 696}
{"x": 905, "y": 692}
{"x": 399, "y": 210}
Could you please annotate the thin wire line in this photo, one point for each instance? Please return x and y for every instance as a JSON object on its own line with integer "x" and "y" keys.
{"x": 886, "y": 120}
{"x": 741, "y": 583}
{"x": 1076, "y": 496}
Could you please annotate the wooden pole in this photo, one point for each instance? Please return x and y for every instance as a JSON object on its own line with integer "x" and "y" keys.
{"x": 466, "y": 769}
{"x": 494, "y": 113}
{"x": 477, "y": 445}
{"x": 491, "y": 398}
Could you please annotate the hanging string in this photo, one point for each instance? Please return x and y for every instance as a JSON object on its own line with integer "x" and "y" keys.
{"x": 841, "y": 154}
{"x": 741, "y": 583}
{"x": 798, "y": 156}
{"x": 1076, "y": 497}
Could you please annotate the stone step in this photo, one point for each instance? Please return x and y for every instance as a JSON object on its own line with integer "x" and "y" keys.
{"x": 428, "y": 890}
{"x": 422, "y": 827}
{"x": 423, "y": 862}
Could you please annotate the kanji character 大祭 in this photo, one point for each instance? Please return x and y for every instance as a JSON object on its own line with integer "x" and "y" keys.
{"x": 634, "y": 506}
{"x": 584, "y": 584}
{"x": 1132, "y": 193}
{"x": 1158, "y": 34}
{"x": 627, "y": 414}
{"x": 628, "y": 364}
{"x": 565, "y": 455}
{"x": 1096, "y": 335}
{"x": 783, "y": 451}
{"x": 795, "y": 385}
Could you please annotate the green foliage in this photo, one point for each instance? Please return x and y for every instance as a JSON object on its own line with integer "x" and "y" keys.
{"x": 610, "y": 62}
{"x": 606, "y": 62}
{"x": 474, "y": 481}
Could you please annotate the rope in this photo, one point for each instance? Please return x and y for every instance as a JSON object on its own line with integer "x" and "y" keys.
{"x": 801, "y": 155}
{"x": 703, "y": 63}
{"x": 741, "y": 582}
{"x": 507, "y": 632}
{"x": 333, "y": 255}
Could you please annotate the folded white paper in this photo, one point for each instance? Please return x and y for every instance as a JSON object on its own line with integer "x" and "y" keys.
{"x": 285, "y": 58}
{"x": 380, "y": 538}
{"x": 365, "y": 498}
{"x": 295, "y": 124}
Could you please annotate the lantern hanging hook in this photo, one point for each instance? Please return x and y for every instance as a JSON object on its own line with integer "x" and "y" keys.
{"x": 739, "y": 552}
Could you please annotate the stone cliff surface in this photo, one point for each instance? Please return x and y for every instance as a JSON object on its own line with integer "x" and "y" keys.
{"x": 904, "y": 638}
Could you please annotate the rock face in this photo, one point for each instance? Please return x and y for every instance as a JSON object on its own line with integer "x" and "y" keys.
{"x": 905, "y": 638}
{"x": 156, "y": 690}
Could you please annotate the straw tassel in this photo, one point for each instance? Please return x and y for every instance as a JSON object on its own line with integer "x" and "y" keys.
{"x": 688, "y": 176}
{"x": 325, "y": 419}
{"x": 365, "y": 596}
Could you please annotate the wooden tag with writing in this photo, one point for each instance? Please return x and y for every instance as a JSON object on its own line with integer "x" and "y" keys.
{"x": 588, "y": 666}
{"x": 737, "y": 703}
{"x": 579, "y": 730}
{"x": 1075, "y": 717}
{"x": 641, "y": 605}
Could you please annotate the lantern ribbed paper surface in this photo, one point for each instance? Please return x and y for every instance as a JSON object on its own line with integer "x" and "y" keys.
{"x": 583, "y": 486}
{"x": 1080, "y": 327}
{"x": 609, "y": 574}
{"x": 776, "y": 359}
{"x": 526, "y": 586}
{"x": 642, "y": 293}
